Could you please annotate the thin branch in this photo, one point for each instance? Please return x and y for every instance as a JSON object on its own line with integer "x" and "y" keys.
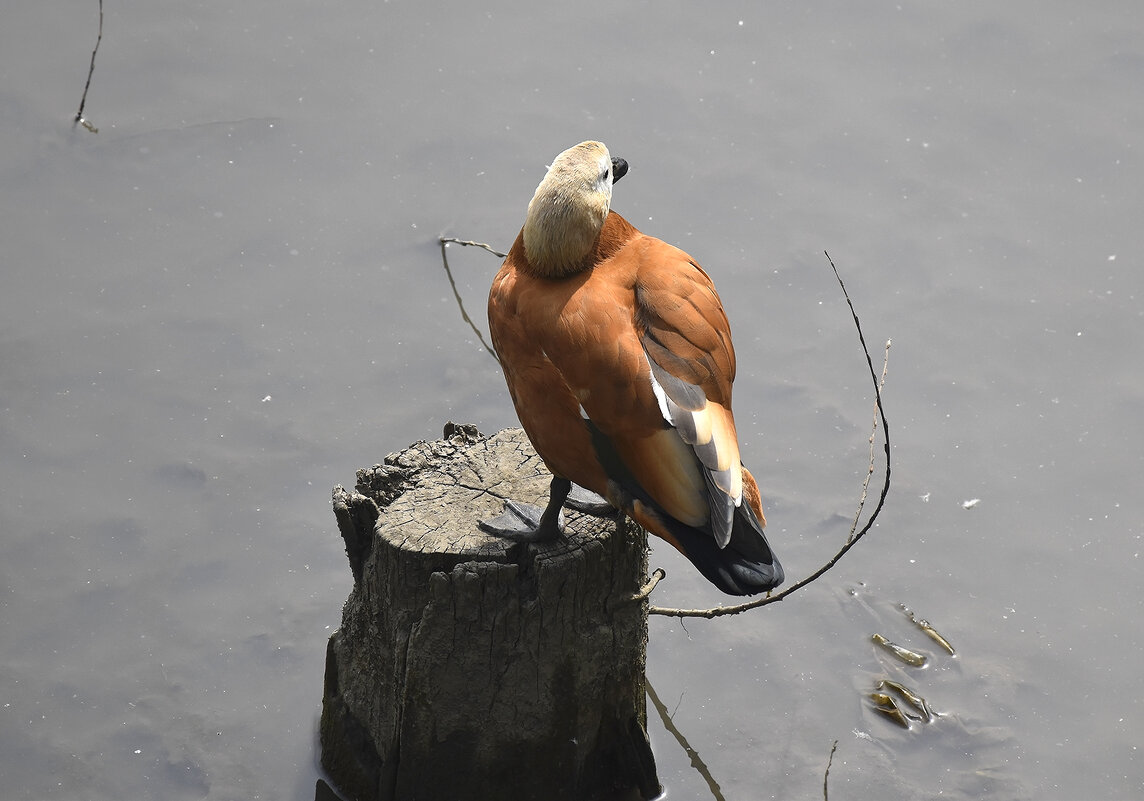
{"x": 826, "y": 775}
{"x": 90, "y": 71}
{"x": 873, "y": 438}
{"x": 853, "y": 539}
{"x": 444, "y": 242}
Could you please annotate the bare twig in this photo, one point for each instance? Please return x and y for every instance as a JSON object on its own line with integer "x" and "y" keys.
{"x": 448, "y": 240}
{"x": 826, "y": 775}
{"x": 873, "y": 438}
{"x": 854, "y": 538}
{"x": 90, "y": 71}
{"x": 444, "y": 241}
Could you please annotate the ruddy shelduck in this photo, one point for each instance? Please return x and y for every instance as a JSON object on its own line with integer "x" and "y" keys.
{"x": 618, "y": 357}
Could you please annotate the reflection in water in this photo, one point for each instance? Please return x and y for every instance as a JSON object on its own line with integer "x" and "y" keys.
{"x": 90, "y": 71}
{"x": 324, "y": 792}
{"x": 696, "y": 761}
{"x": 826, "y": 775}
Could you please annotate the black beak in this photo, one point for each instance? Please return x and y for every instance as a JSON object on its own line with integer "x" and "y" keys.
{"x": 619, "y": 169}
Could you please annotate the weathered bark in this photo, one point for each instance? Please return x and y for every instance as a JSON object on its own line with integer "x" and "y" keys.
{"x": 473, "y": 667}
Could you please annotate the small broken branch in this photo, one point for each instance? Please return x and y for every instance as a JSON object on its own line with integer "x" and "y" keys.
{"x": 658, "y": 575}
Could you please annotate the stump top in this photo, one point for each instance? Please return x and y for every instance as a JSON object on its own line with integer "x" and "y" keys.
{"x": 433, "y": 494}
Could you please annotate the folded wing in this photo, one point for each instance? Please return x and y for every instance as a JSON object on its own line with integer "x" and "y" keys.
{"x": 686, "y": 339}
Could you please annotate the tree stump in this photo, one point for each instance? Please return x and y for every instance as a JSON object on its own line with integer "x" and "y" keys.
{"x": 473, "y": 667}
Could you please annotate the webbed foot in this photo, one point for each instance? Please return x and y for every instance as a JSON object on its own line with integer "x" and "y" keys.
{"x": 522, "y": 522}
{"x": 588, "y": 502}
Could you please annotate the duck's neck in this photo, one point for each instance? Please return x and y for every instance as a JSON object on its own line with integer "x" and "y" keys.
{"x": 561, "y": 231}
{"x": 615, "y": 233}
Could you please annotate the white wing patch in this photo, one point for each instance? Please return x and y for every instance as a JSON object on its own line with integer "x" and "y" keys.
{"x": 686, "y": 409}
{"x": 660, "y": 397}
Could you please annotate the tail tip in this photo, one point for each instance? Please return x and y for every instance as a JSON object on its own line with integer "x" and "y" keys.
{"x": 748, "y": 578}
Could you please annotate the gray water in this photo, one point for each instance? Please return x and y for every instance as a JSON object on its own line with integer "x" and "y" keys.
{"x": 231, "y": 297}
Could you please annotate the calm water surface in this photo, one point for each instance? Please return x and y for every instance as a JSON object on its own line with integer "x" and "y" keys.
{"x": 231, "y": 297}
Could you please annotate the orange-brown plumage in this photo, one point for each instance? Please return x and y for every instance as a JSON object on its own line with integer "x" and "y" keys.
{"x": 618, "y": 357}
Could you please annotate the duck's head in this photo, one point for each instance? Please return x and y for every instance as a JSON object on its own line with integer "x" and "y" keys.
{"x": 569, "y": 208}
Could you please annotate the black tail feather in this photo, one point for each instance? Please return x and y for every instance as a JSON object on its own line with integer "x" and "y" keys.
{"x": 747, "y": 566}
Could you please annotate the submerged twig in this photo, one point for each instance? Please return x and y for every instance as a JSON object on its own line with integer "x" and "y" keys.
{"x": 826, "y": 775}
{"x": 90, "y": 71}
{"x": 854, "y": 538}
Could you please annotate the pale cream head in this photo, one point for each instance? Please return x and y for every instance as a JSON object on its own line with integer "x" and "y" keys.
{"x": 568, "y": 210}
